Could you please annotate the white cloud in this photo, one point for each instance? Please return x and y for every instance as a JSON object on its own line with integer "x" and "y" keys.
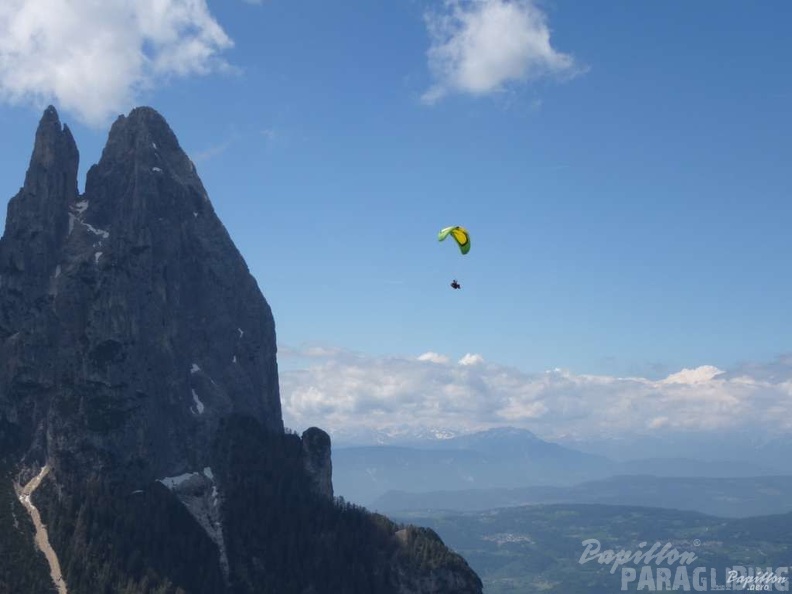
{"x": 344, "y": 392}
{"x": 478, "y": 46}
{"x": 658, "y": 422}
{"x": 433, "y": 357}
{"x": 470, "y": 359}
{"x": 698, "y": 375}
{"x": 93, "y": 57}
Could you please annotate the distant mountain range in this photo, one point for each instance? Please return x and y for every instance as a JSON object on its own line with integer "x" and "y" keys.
{"x": 494, "y": 460}
{"x": 725, "y": 497}
{"x": 741, "y": 448}
{"x": 498, "y": 458}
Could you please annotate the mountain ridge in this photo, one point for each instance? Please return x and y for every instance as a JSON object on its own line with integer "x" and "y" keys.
{"x": 496, "y": 460}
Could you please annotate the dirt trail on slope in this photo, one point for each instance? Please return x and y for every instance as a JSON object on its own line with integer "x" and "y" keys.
{"x": 42, "y": 539}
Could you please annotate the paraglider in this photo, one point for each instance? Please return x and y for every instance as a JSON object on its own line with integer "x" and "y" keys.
{"x": 462, "y": 237}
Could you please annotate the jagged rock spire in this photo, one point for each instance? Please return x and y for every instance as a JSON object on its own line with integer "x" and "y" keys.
{"x": 37, "y": 219}
{"x": 54, "y": 153}
{"x": 140, "y": 322}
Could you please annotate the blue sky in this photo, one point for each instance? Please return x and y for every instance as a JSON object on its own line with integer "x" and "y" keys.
{"x": 623, "y": 169}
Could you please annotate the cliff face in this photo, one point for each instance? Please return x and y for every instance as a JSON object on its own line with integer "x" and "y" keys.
{"x": 132, "y": 336}
{"x": 132, "y": 323}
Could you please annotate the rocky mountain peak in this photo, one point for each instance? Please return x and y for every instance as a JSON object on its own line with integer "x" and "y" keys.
{"x": 143, "y": 154}
{"x": 54, "y": 147}
{"x": 146, "y": 137}
{"x": 37, "y": 219}
{"x": 130, "y": 306}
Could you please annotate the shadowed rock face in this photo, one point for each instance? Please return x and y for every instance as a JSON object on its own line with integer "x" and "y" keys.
{"x": 37, "y": 222}
{"x": 130, "y": 322}
{"x": 317, "y": 458}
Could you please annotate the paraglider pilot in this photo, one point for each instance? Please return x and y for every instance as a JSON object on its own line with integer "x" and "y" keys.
{"x": 462, "y": 238}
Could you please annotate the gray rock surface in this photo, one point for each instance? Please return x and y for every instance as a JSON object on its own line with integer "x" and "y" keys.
{"x": 130, "y": 323}
{"x": 317, "y": 459}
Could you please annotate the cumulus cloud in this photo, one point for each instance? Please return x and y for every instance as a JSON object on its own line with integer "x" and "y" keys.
{"x": 93, "y": 58}
{"x": 344, "y": 392}
{"x": 478, "y": 46}
{"x": 702, "y": 374}
{"x": 471, "y": 359}
{"x": 433, "y": 357}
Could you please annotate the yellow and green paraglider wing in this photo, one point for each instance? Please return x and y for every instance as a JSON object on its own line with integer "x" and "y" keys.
{"x": 461, "y": 236}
